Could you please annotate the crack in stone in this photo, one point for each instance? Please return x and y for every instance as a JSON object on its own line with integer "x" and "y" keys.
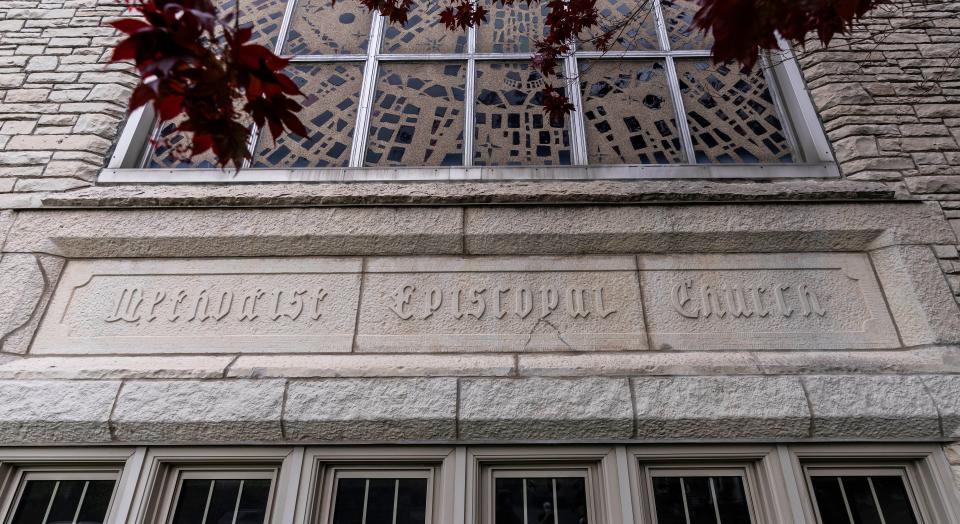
{"x": 533, "y": 330}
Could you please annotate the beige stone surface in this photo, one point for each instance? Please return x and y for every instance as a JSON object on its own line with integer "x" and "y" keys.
{"x": 51, "y": 411}
{"x": 199, "y": 411}
{"x": 500, "y": 304}
{"x": 782, "y": 301}
{"x": 871, "y": 407}
{"x": 85, "y": 367}
{"x": 685, "y": 228}
{"x": 21, "y": 286}
{"x": 720, "y": 407}
{"x": 203, "y": 306}
{"x": 239, "y": 232}
{"x": 393, "y": 365}
{"x": 545, "y": 409}
{"x": 18, "y": 340}
{"x": 920, "y": 299}
{"x": 381, "y": 409}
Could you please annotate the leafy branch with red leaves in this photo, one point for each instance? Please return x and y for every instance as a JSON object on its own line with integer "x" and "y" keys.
{"x": 196, "y": 64}
{"x": 193, "y": 62}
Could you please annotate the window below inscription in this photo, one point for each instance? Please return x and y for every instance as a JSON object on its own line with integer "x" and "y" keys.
{"x": 867, "y": 497}
{"x": 46, "y": 498}
{"x": 379, "y": 94}
{"x": 221, "y": 499}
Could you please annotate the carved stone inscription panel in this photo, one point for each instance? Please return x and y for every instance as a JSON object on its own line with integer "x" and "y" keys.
{"x": 801, "y": 301}
{"x": 526, "y": 304}
{"x": 199, "y": 306}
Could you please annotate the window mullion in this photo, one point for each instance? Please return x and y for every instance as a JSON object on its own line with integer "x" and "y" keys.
{"x": 786, "y": 123}
{"x": 578, "y": 137}
{"x": 83, "y": 495}
{"x": 469, "y": 96}
{"x": 367, "y": 91}
{"x": 673, "y": 83}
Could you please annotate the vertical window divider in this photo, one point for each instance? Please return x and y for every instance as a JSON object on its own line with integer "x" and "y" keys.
{"x": 255, "y": 131}
{"x": 578, "y": 137}
{"x": 469, "y": 96}
{"x": 673, "y": 81}
{"x": 206, "y": 507}
{"x": 786, "y": 123}
{"x": 846, "y": 503}
{"x": 53, "y": 496}
{"x": 367, "y": 90}
{"x": 236, "y": 506}
{"x": 683, "y": 495}
{"x": 86, "y": 484}
{"x": 713, "y": 497}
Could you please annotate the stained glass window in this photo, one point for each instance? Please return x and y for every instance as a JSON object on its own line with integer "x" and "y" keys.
{"x": 381, "y": 94}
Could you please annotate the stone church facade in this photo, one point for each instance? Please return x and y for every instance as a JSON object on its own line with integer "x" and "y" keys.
{"x": 704, "y": 297}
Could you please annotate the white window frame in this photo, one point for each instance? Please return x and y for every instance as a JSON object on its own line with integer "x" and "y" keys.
{"x": 652, "y": 472}
{"x": 801, "y": 126}
{"x": 321, "y": 467}
{"x": 164, "y": 468}
{"x": 812, "y": 471}
{"x": 926, "y": 470}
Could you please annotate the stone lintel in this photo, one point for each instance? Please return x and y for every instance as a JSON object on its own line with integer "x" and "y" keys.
{"x": 491, "y": 230}
{"x": 502, "y": 409}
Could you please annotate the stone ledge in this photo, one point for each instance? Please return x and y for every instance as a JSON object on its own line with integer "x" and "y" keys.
{"x": 435, "y": 193}
{"x": 718, "y": 408}
{"x": 487, "y": 230}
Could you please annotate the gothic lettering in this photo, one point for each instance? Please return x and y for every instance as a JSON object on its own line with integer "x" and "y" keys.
{"x": 743, "y": 301}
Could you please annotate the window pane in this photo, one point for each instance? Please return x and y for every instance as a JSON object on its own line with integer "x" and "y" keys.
{"x": 732, "y": 116}
{"x": 513, "y": 28}
{"x": 640, "y": 33}
{"x": 322, "y": 27}
{"x": 894, "y": 501}
{"x": 412, "y": 501}
{"x": 731, "y": 500}
{"x": 571, "y": 500}
{"x": 380, "y": 497}
{"x": 253, "y": 502}
{"x": 699, "y": 501}
{"x": 348, "y": 504}
{"x": 668, "y": 500}
{"x": 508, "y": 502}
{"x": 703, "y": 500}
{"x": 173, "y": 148}
{"x": 192, "y": 501}
{"x": 629, "y": 117}
{"x": 511, "y": 127}
{"x": 329, "y": 114}
{"x": 417, "y": 115}
{"x": 862, "y": 505}
{"x": 65, "y": 501}
{"x": 423, "y": 32}
{"x": 540, "y": 506}
{"x": 34, "y": 501}
{"x": 830, "y": 504}
{"x": 678, "y": 17}
{"x": 265, "y": 17}
{"x": 223, "y": 501}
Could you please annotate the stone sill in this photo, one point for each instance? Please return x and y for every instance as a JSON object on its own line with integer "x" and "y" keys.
{"x": 475, "y": 174}
{"x": 464, "y": 193}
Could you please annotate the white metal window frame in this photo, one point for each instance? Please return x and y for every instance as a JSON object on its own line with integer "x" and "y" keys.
{"x": 58, "y": 475}
{"x": 745, "y": 474}
{"x": 801, "y": 125}
{"x": 863, "y": 471}
{"x": 169, "y": 505}
{"x": 776, "y": 474}
{"x": 329, "y": 496}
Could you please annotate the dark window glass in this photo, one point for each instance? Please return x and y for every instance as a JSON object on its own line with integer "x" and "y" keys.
{"x": 222, "y": 501}
{"x": 560, "y": 500}
{"x": 382, "y": 500}
{"x": 64, "y": 502}
{"x": 862, "y": 500}
{"x": 349, "y": 501}
{"x": 700, "y": 500}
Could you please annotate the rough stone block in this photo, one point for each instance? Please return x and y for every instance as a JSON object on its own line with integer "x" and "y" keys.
{"x": 545, "y": 409}
{"x": 871, "y": 407}
{"x": 222, "y": 411}
{"x": 371, "y": 409}
{"x": 720, "y": 407}
{"x": 22, "y": 283}
{"x": 945, "y": 390}
{"x": 49, "y": 411}
{"x": 919, "y": 298}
